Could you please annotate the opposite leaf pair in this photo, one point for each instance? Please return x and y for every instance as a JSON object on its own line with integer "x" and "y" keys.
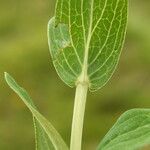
{"x": 130, "y": 132}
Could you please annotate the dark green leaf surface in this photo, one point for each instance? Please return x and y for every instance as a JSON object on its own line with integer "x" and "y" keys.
{"x": 130, "y": 132}
{"x": 85, "y": 39}
{"x": 47, "y": 138}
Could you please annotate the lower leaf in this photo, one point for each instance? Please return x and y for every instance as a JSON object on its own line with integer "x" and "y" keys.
{"x": 130, "y": 132}
{"x": 47, "y": 137}
{"x": 41, "y": 139}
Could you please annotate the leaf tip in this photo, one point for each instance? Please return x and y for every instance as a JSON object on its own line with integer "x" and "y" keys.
{"x": 6, "y": 76}
{"x": 9, "y": 80}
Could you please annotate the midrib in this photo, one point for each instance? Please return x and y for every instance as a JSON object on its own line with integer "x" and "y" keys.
{"x": 83, "y": 78}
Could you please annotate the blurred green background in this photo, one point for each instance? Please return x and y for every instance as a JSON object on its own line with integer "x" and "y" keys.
{"x": 24, "y": 54}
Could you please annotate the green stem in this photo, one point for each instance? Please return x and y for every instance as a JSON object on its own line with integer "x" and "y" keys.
{"x": 78, "y": 116}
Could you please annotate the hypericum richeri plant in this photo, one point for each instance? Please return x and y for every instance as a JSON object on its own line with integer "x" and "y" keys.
{"x": 85, "y": 39}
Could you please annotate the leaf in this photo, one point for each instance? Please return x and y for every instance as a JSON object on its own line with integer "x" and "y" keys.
{"x": 42, "y": 140}
{"x": 85, "y": 39}
{"x": 130, "y": 132}
{"x": 43, "y": 126}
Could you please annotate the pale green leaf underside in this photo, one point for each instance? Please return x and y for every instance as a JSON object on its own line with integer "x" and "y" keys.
{"x": 42, "y": 140}
{"x": 86, "y": 36}
{"x": 47, "y": 138}
{"x": 130, "y": 132}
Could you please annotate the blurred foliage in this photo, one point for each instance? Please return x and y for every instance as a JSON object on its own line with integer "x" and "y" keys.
{"x": 24, "y": 54}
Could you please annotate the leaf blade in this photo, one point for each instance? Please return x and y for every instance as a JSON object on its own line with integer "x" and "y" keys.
{"x": 96, "y": 32}
{"x": 131, "y": 131}
{"x": 51, "y": 132}
{"x": 42, "y": 141}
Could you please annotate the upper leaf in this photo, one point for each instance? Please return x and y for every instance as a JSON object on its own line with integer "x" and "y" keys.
{"x": 85, "y": 39}
{"x": 130, "y": 132}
